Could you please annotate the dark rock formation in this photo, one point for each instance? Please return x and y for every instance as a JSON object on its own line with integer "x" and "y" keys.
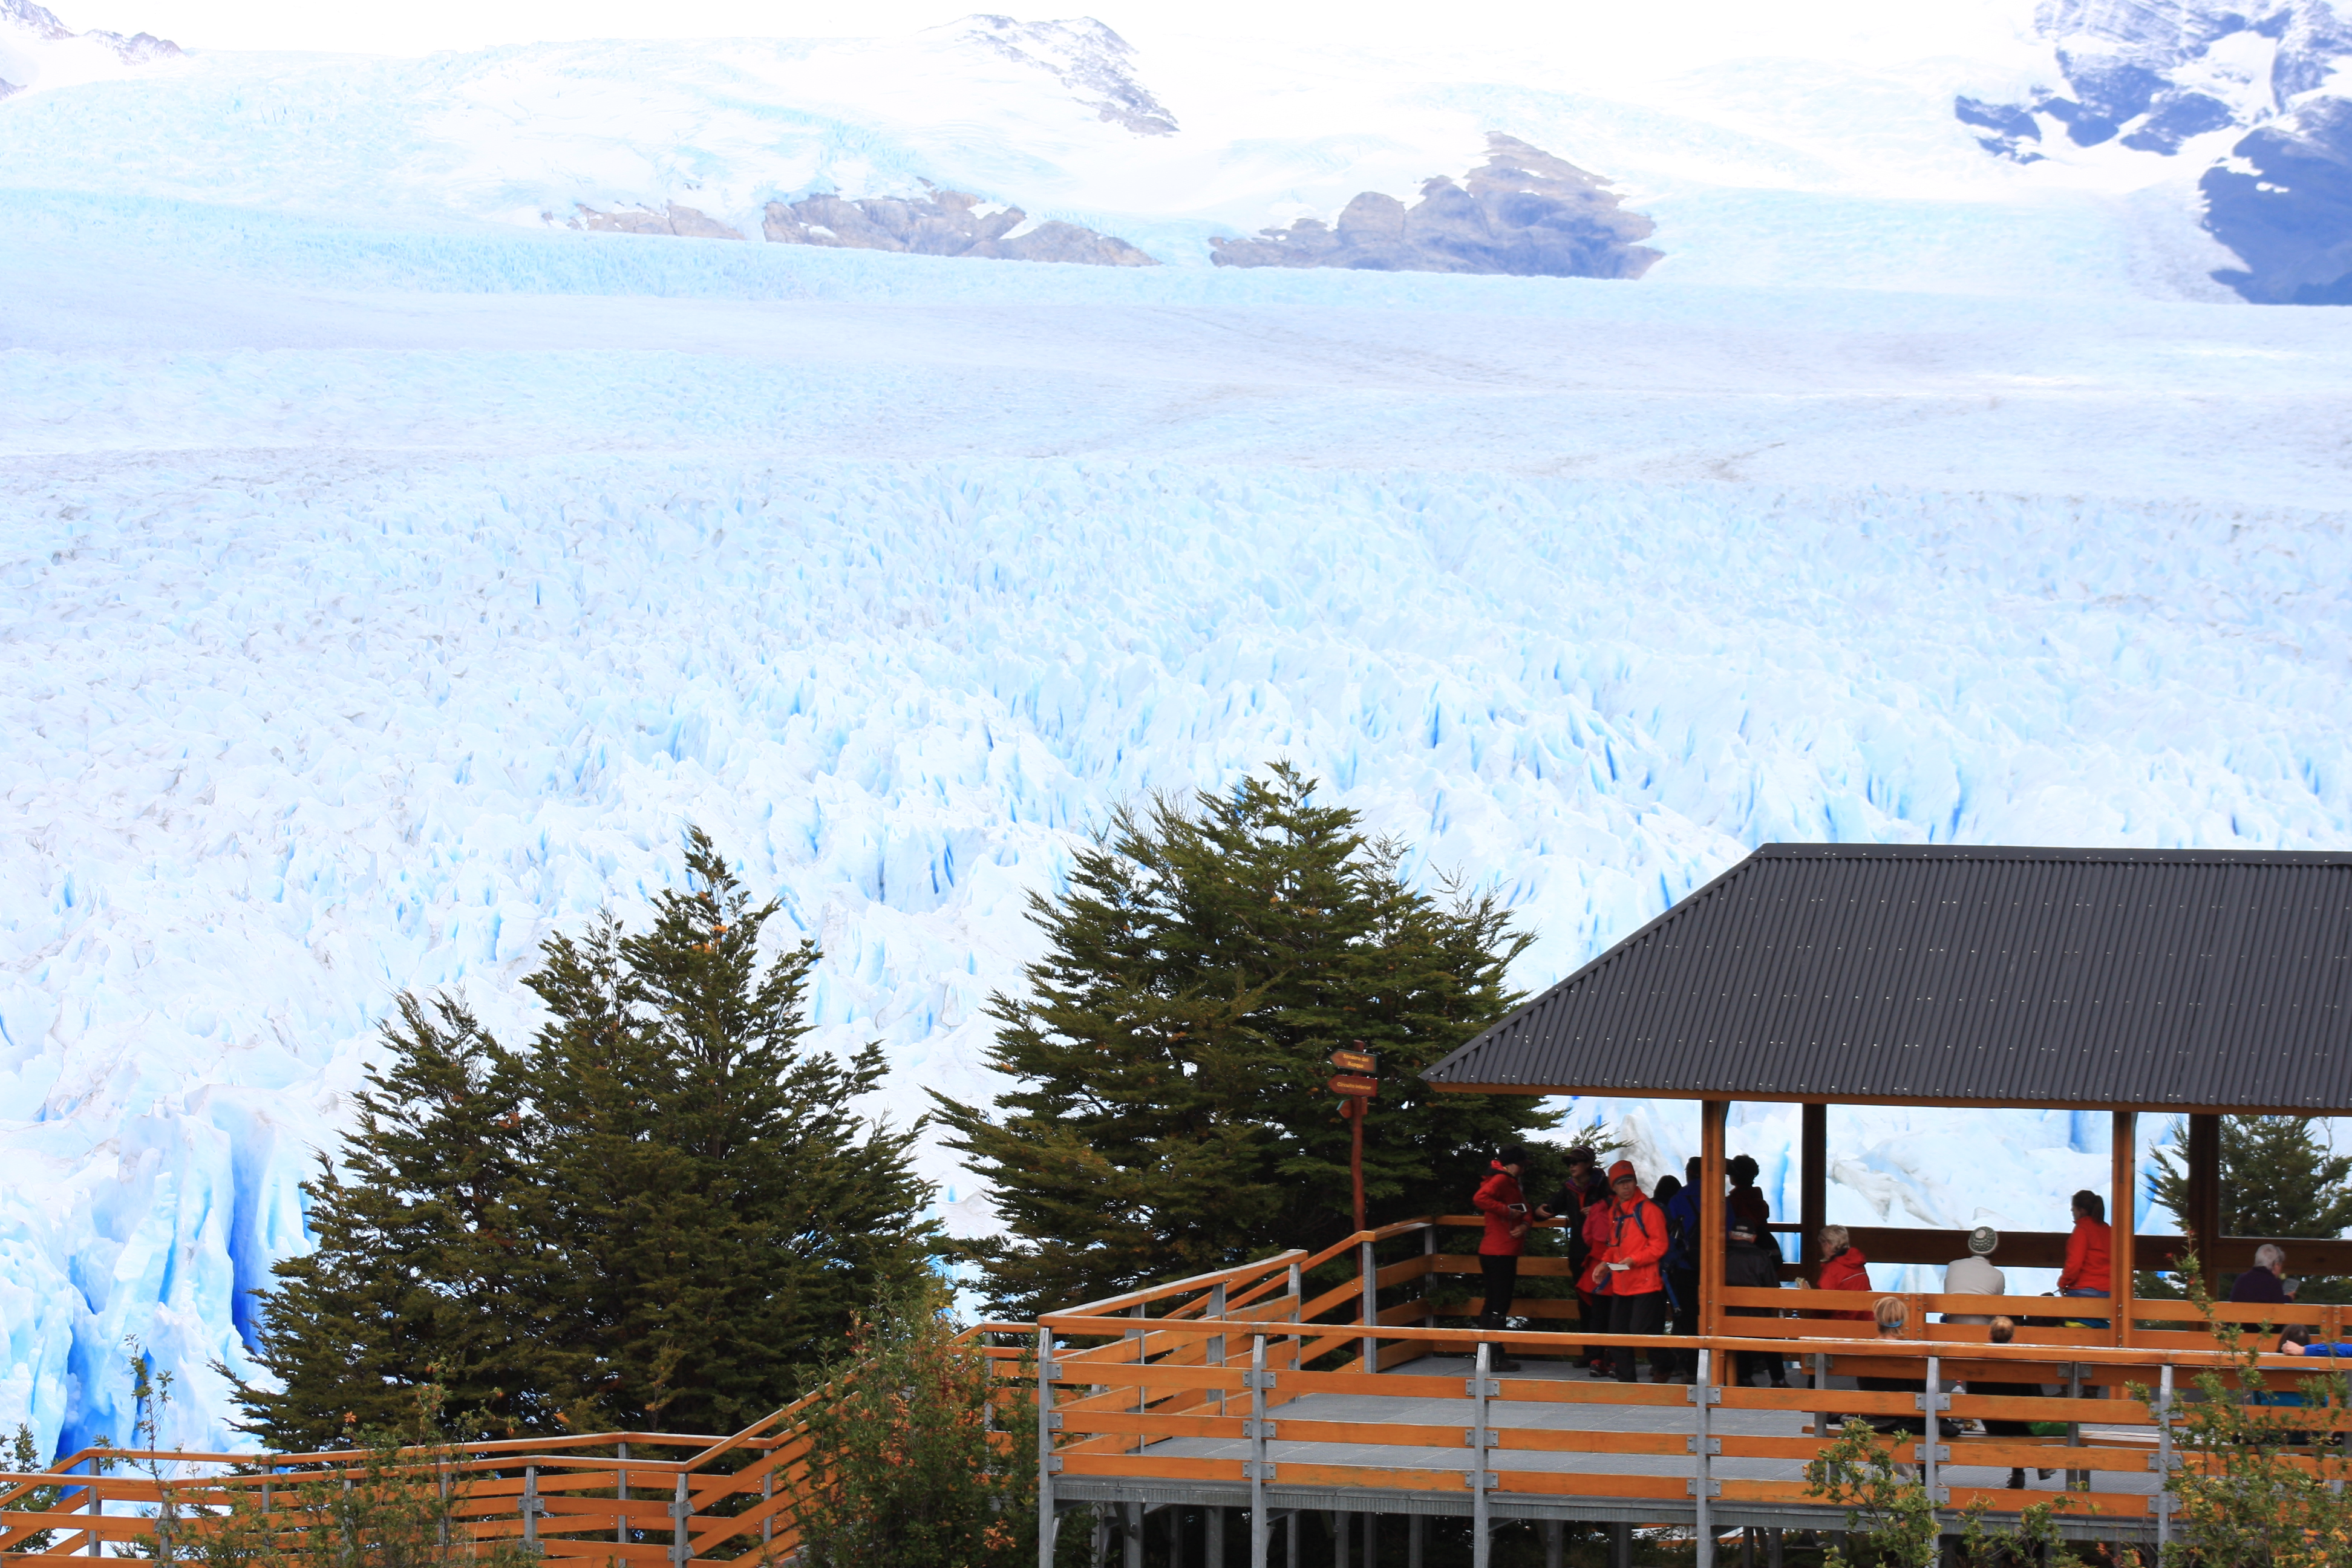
{"x": 941, "y": 223}
{"x": 1525, "y": 212}
{"x": 42, "y": 23}
{"x": 672, "y": 218}
{"x": 2291, "y": 219}
{"x": 1085, "y": 57}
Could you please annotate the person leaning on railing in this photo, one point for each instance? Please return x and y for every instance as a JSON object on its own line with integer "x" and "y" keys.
{"x": 2263, "y": 1285}
{"x": 2089, "y": 1267}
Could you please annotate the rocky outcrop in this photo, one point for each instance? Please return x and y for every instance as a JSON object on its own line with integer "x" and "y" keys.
{"x": 672, "y": 218}
{"x": 1525, "y": 212}
{"x": 941, "y": 223}
{"x": 1085, "y": 57}
{"x": 42, "y": 23}
{"x": 2150, "y": 75}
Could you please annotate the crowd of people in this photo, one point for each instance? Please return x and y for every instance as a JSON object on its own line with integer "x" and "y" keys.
{"x": 1636, "y": 1260}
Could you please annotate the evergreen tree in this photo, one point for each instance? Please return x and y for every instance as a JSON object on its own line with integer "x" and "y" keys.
{"x": 412, "y": 1281}
{"x": 1170, "y": 1113}
{"x": 663, "y": 1215}
{"x": 2277, "y": 1179}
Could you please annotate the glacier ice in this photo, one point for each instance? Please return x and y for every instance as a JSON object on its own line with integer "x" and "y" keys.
{"x": 382, "y": 589}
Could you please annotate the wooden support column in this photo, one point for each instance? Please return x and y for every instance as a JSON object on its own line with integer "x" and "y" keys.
{"x": 1813, "y": 1187}
{"x": 2123, "y": 1217}
{"x": 1713, "y": 1116}
{"x": 2205, "y": 1195}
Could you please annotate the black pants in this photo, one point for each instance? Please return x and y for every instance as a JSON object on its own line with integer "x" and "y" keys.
{"x": 1502, "y": 1283}
{"x": 1643, "y": 1314}
{"x": 1998, "y": 1426}
{"x": 1682, "y": 1300}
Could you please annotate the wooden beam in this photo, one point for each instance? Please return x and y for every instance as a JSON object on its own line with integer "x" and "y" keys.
{"x": 1813, "y": 1187}
{"x": 1713, "y": 1116}
{"x": 2047, "y": 1249}
{"x": 2123, "y": 1219}
{"x": 2205, "y": 1196}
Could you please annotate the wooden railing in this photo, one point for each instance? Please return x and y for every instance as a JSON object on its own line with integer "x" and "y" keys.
{"x": 615, "y": 1497}
{"x": 1115, "y": 1388}
{"x": 1222, "y": 1356}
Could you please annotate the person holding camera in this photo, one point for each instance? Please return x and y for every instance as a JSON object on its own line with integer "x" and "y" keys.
{"x": 1507, "y": 1217}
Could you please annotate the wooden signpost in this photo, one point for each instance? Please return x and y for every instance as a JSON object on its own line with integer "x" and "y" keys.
{"x": 1356, "y": 1086}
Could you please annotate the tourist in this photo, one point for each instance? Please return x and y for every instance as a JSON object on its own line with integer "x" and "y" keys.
{"x": 1975, "y": 1275}
{"x": 1893, "y": 1321}
{"x": 1750, "y": 1262}
{"x": 1843, "y": 1267}
{"x": 1582, "y": 1191}
{"x": 2089, "y": 1267}
{"x": 2265, "y": 1283}
{"x": 1633, "y": 1244}
{"x": 1682, "y": 1264}
{"x": 2002, "y": 1332}
{"x": 1747, "y": 1201}
{"x": 1499, "y": 1199}
{"x": 1681, "y": 1299}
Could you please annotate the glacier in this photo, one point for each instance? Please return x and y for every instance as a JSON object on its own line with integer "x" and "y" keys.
{"x": 386, "y": 582}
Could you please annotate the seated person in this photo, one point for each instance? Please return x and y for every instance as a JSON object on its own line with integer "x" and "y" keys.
{"x": 1975, "y": 1275}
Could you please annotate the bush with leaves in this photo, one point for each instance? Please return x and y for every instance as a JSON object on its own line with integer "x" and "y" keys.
{"x": 2261, "y": 1482}
{"x": 1893, "y": 1521}
{"x": 905, "y": 1464}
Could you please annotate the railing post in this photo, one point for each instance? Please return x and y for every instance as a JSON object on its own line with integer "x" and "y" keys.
{"x": 1480, "y": 1439}
{"x": 1143, "y": 1338}
{"x": 768, "y": 1521}
{"x": 1297, "y": 1315}
{"x": 2162, "y": 1502}
{"x": 440, "y": 1489}
{"x": 1704, "y": 1395}
{"x": 1371, "y": 1294}
{"x": 1930, "y": 1457}
{"x": 530, "y": 1508}
{"x": 1045, "y": 1461}
{"x": 1261, "y": 1527}
{"x": 621, "y": 1496}
{"x": 1215, "y": 1355}
{"x": 1821, "y": 1385}
{"x": 679, "y": 1543}
{"x": 1428, "y": 1288}
{"x": 97, "y": 1507}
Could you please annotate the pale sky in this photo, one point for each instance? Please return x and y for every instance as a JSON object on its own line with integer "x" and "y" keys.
{"x": 1885, "y": 30}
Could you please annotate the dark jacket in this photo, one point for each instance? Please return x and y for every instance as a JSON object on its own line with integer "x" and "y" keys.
{"x": 2261, "y": 1286}
{"x": 1571, "y": 1206}
{"x": 1747, "y": 1267}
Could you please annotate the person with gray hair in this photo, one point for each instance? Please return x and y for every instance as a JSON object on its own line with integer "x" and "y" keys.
{"x": 2263, "y": 1285}
{"x": 1975, "y": 1275}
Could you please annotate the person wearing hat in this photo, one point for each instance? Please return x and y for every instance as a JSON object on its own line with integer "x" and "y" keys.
{"x": 1584, "y": 1189}
{"x": 1505, "y": 1207}
{"x": 1975, "y": 1275}
{"x": 1632, "y": 1242}
{"x": 1751, "y": 1262}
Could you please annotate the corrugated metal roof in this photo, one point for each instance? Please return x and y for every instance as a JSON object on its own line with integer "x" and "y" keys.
{"x": 1955, "y": 974}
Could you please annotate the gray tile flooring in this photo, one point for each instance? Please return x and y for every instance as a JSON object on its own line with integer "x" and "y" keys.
{"x": 1504, "y": 1414}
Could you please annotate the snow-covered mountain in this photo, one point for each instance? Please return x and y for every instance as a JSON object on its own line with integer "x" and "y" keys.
{"x": 39, "y": 50}
{"x": 388, "y": 573}
{"x": 2259, "y": 95}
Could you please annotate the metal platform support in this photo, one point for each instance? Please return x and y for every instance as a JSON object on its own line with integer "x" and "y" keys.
{"x": 1620, "y": 1545}
{"x": 1131, "y": 1534}
{"x": 1416, "y": 1540}
{"x": 1704, "y": 1445}
{"x": 1555, "y": 1540}
{"x": 1481, "y": 1438}
{"x": 1260, "y": 1469}
{"x": 1048, "y": 1518}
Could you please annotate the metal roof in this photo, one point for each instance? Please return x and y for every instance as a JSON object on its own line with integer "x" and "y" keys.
{"x": 1946, "y": 975}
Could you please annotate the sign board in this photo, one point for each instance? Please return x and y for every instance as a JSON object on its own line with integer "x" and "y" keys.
{"x": 1347, "y": 1083}
{"x": 1353, "y": 1062}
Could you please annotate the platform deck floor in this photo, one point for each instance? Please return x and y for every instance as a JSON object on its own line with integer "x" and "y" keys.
{"x": 1595, "y": 1417}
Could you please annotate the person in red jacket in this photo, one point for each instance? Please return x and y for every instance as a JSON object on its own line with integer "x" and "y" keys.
{"x": 1843, "y": 1267}
{"x": 1632, "y": 1242}
{"x": 1505, "y": 1207}
{"x": 2090, "y": 1267}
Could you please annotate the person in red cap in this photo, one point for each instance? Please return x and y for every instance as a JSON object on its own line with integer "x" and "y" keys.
{"x": 1505, "y": 1207}
{"x": 1633, "y": 1239}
